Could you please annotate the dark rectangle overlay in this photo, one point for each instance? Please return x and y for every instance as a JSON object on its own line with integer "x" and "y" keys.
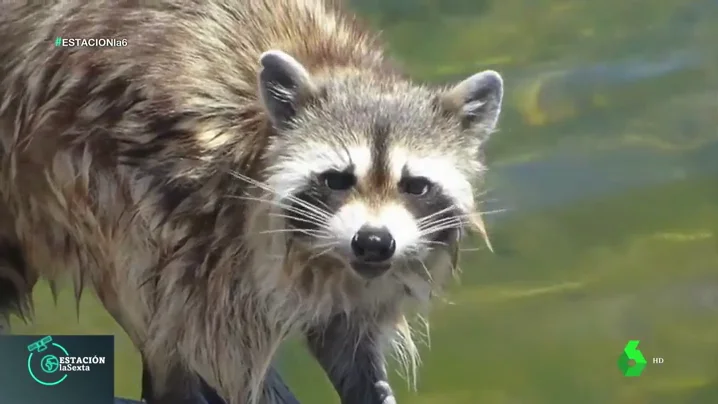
{"x": 57, "y": 369}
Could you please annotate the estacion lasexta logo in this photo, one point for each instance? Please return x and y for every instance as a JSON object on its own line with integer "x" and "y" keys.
{"x": 44, "y": 361}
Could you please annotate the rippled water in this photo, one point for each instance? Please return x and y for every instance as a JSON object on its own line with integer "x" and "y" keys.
{"x": 607, "y": 166}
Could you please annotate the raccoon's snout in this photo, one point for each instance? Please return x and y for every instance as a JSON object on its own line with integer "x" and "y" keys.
{"x": 373, "y": 244}
{"x": 373, "y": 247}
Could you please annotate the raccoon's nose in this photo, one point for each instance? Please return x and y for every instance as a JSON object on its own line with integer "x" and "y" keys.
{"x": 373, "y": 244}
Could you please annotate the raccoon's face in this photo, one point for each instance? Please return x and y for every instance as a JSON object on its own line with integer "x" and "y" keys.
{"x": 375, "y": 172}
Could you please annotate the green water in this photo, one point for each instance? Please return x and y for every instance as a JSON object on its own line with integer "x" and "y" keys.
{"x": 607, "y": 166}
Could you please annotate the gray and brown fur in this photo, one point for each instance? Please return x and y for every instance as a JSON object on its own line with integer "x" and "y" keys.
{"x": 152, "y": 173}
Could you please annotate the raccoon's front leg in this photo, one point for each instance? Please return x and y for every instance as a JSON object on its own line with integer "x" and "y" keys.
{"x": 182, "y": 389}
{"x": 353, "y": 360}
{"x": 276, "y": 391}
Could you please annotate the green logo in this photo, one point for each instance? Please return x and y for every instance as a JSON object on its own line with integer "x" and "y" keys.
{"x": 46, "y": 365}
{"x": 50, "y": 363}
{"x": 631, "y": 362}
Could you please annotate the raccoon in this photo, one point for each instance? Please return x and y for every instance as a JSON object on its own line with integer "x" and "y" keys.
{"x": 240, "y": 172}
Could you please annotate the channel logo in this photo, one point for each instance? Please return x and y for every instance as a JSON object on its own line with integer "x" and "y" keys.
{"x": 632, "y": 362}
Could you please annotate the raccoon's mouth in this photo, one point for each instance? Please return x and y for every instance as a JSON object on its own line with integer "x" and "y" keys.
{"x": 370, "y": 270}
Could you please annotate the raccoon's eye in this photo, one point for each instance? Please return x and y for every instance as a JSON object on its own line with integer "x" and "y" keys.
{"x": 415, "y": 185}
{"x": 338, "y": 180}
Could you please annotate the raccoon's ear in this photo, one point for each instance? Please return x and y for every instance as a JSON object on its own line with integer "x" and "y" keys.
{"x": 284, "y": 86}
{"x": 476, "y": 101}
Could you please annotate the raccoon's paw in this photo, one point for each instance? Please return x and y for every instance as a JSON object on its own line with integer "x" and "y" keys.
{"x": 385, "y": 392}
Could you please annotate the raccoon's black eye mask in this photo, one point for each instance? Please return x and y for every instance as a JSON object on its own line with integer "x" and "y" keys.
{"x": 418, "y": 186}
{"x": 338, "y": 180}
{"x": 344, "y": 180}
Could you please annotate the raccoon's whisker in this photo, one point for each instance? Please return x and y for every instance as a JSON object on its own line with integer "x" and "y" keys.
{"x": 426, "y": 271}
{"x": 423, "y": 221}
{"x": 268, "y": 188}
{"x": 303, "y": 213}
{"x": 443, "y": 244}
{"x": 332, "y": 244}
{"x": 323, "y": 206}
{"x": 319, "y": 254}
{"x": 464, "y": 216}
{"x": 431, "y": 242}
{"x": 306, "y": 205}
{"x": 446, "y": 220}
{"x": 309, "y": 207}
{"x": 312, "y": 233}
{"x": 288, "y": 208}
{"x": 441, "y": 227}
{"x": 304, "y": 219}
{"x": 426, "y": 218}
{"x": 491, "y": 212}
{"x": 290, "y": 230}
{"x": 429, "y": 277}
{"x": 252, "y": 181}
{"x": 329, "y": 248}
{"x": 461, "y": 217}
{"x": 430, "y": 216}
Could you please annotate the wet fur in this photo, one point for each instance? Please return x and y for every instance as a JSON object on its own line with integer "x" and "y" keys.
{"x": 141, "y": 172}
